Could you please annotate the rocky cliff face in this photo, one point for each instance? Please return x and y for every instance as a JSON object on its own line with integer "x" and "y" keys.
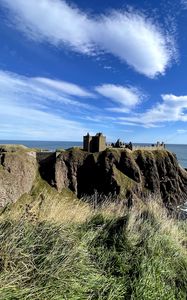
{"x": 18, "y": 169}
{"x": 124, "y": 173}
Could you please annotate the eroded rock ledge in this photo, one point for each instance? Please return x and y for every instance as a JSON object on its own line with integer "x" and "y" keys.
{"x": 18, "y": 169}
{"x": 123, "y": 173}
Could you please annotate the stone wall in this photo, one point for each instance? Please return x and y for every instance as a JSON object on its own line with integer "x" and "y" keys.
{"x": 95, "y": 143}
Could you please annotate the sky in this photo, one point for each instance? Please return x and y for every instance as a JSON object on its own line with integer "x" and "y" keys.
{"x": 77, "y": 66}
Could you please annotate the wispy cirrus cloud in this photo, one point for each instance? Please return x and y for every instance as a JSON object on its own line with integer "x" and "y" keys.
{"x": 171, "y": 109}
{"x": 31, "y": 109}
{"x": 182, "y": 131}
{"x": 130, "y": 36}
{"x": 184, "y": 4}
{"x": 126, "y": 97}
{"x": 42, "y": 90}
{"x": 65, "y": 87}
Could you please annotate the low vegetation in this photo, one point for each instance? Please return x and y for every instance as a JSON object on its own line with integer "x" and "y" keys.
{"x": 55, "y": 247}
{"x": 15, "y": 148}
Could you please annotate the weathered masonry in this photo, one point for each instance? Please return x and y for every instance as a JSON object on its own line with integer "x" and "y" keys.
{"x": 95, "y": 143}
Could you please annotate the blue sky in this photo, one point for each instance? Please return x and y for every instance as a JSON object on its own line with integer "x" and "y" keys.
{"x": 69, "y": 67}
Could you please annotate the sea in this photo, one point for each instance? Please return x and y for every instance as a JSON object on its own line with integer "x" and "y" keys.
{"x": 179, "y": 149}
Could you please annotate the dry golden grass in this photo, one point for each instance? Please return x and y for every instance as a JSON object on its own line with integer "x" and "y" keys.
{"x": 54, "y": 247}
{"x": 46, "y": 204}
{"x": 64, "y": 208}
{"x": 166, "y": 224}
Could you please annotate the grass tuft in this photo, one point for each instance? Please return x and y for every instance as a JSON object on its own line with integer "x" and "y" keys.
{"x": 72, "y": 251}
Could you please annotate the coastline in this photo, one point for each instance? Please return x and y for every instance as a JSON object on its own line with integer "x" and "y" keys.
{"x": 179, "y": 149}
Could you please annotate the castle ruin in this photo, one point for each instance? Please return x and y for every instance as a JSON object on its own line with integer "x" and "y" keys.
{"x": 95, "y": 143}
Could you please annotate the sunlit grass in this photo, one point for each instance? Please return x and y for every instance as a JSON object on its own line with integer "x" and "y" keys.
{"x": 61, "y": 248}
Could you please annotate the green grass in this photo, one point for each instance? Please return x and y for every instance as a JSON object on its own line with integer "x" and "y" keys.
{"x": 110, "y": 253}
{"x": 125, "y": 182}
{"x": 15, "y": 148}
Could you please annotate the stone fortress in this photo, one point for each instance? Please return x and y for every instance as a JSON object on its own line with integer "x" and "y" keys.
{"x": 98, "y": 143}
{"x": 95, "y": 143}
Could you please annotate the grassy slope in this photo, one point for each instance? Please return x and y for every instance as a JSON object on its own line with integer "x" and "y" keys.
{"x": 55, "y": 247}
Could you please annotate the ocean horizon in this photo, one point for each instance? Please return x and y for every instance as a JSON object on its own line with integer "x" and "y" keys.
{"x": 179, "y": 149}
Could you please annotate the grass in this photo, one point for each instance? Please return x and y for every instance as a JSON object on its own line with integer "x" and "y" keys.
{"x": 71, "y": 251}
{"x": 16, "y": 148}
{"x": 125, "y": 182}
{"x": 45, "y": 203}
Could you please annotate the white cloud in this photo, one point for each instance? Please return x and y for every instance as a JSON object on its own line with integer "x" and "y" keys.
{"x": 30, "y": 123}
{"x": 43, "y": 89}
{"x": 125, "y": 97}
{"x": 181, "y": 131}
{"x": 30, "y": 109}
{"x": 130, "y": 36}
{"x": 172, "y": 109}
{"x": 65, "y": 87}
{"x": 107, "y": 67}
{"x": 184, "y": 4}
{"x": 135, "y": 40}
{"x": 52, "y": 20}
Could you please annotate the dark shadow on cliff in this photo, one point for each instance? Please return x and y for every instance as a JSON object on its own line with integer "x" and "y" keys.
{"x": 95, "y": 176}
{"x": 47, "y": 169}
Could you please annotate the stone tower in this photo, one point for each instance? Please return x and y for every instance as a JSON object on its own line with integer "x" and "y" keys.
{"x": 95, "y": 143}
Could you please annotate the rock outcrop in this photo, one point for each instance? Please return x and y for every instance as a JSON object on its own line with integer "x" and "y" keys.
{"x": 123, "y": 173}
{"x": 18, "y": 169}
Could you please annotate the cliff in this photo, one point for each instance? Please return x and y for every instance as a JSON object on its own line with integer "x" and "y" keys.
{"x": 123, "y": 173}
{"x": 18, "y": 169}
{"x": 55, "y": 246}
{"x": 119, "y": 173}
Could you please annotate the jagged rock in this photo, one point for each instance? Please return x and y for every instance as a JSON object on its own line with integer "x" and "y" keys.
{"x": 128, "y": 166}
{"x": 18, "y": 170}
{"x": 123, "y": 173}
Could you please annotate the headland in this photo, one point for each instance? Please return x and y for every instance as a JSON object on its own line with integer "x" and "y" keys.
{"x": 120, "y": 172}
